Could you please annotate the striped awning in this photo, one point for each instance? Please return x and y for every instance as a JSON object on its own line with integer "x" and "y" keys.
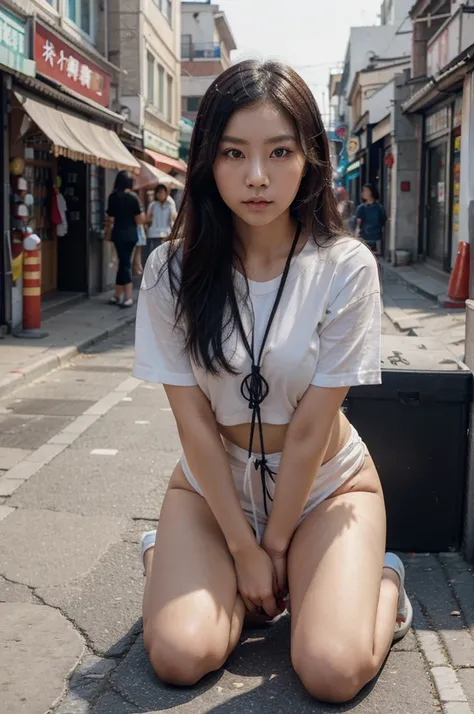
{"x": 77, "y": 138}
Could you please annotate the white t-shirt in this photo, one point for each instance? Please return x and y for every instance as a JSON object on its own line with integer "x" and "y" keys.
{"x": 326, "y": 332}
{"x": 162, "y": 215}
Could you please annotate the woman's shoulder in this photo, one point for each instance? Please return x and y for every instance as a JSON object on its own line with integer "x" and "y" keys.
{"x": 342, "y": 256}
{"x": 161, "y": 262}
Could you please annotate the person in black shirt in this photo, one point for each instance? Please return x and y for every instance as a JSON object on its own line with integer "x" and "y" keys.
{"x": 124, "y": 214}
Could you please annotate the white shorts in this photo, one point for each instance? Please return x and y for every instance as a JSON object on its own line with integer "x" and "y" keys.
{"x": 247, "y": 479}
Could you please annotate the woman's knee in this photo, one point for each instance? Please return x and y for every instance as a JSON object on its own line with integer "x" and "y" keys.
{"x": 335, "y": 672}
{"x": 184, "y": 656}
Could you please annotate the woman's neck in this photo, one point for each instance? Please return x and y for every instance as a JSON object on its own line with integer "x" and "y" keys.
{"x": 266, "y": 243}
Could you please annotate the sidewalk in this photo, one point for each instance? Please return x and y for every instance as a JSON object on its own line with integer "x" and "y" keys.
{"x": 412, "y": 302}
{"x": 24, "y": 360}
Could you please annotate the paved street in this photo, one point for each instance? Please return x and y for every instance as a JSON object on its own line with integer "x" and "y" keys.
{"x": 86, "y": 453}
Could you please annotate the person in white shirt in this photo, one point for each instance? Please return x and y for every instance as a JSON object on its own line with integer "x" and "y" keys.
{"x": 257, "y": 317}
{"x": 161, "y": 215}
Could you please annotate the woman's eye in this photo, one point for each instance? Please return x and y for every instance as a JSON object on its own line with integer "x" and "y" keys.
{"x": 280, "y": 153}
{"x": 233, "y": 153}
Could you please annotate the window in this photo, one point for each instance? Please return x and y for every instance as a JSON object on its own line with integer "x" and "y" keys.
{"x": 81, "y": 13}
{"x": 53, "y": 3}
{"x": 169, "y": 111}
{"x": 150, "y": 65}
{"x": 193, "y": 103}
{"x": 161, "y": 88}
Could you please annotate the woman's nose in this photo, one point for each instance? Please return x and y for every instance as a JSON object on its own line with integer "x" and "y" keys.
{"x": 257, "y": 176}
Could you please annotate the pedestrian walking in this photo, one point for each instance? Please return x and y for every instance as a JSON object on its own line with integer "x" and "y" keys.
{"x": 346, "y": 209}
{"x": 124, "y": 217}
{"x": 371, "y": 218}
{"x": 161, "y": 214}
{"x": 259, "y": 314}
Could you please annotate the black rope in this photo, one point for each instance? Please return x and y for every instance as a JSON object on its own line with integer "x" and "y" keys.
{"x": 254, "y": 387}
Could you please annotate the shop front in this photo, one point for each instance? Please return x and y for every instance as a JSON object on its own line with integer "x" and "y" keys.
{"x": 61, "y": 145}
{"x": 164, "y": 155}
{"x": 442, "y": 161}
{"x": 15, "y": 58}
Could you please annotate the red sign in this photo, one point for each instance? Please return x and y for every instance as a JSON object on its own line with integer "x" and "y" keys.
{"x": 61, "y": 62}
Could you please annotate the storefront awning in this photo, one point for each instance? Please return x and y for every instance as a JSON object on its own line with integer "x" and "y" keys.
{"x": 176, "y": 164}
{"x": 150, "y": 176}
{"x": 77, "y": 138}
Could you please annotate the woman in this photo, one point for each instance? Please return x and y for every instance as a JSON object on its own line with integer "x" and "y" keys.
{"x": 261, "y": 301}
{"x": 371, "y": 218}
{"x": 161, "y": 214}
{"x": 124, "y": 215}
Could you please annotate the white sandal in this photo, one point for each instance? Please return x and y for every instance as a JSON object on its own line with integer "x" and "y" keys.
{"x": 405, "y": 609}
{"x": 148, "y": 541}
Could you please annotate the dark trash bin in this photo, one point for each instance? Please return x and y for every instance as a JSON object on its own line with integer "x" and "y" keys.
{"x": 416, "y": 427}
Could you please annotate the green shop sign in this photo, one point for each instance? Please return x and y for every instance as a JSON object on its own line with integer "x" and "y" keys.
{"x": 14, "y": 44}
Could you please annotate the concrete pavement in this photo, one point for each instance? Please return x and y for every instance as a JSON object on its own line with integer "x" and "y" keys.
{"x": 413, "y": 303}
{"x": 86, "y": 453}
{"x": 24, "y": 360}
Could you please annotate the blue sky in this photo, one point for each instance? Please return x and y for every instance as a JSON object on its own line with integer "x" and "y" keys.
{"x": 309, "y": 34}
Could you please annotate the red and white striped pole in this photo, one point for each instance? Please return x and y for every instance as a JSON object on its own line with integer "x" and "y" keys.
{"x": 32, "y": 288}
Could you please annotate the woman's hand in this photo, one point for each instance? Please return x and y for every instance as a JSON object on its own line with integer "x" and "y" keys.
{"x": 278, "y": 558}
{"x": 256, "y": 581}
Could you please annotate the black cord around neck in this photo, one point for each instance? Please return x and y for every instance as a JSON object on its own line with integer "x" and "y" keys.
{"x": 254, "y": 387}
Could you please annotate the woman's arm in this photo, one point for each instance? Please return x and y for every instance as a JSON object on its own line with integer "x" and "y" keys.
{"x": 109, "y": 224}
{"x": 305, "y": 445}
{"x": 140, "y": 219}
{"x": 208, "y": 459}
{"x": 349, "y": 354}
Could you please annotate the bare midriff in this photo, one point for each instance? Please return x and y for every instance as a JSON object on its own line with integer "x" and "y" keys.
{"x": 274, "y": 437}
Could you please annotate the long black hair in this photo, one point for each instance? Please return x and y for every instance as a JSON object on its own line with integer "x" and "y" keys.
{"x": 203, "y": 231}
{"x": 123, "y": 181}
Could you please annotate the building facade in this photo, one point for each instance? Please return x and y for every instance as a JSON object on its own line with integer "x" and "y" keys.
{"x": 144, "y": 39}
{"x": 206, "y": 46}
{"x": 440, "y": 105}
{"x": 60, "y": 145}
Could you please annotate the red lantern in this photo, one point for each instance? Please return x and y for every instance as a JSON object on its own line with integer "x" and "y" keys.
{"x": 389, "y": 160}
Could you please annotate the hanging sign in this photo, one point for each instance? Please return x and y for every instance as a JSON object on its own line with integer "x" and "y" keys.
{"x": 63, "y": 63}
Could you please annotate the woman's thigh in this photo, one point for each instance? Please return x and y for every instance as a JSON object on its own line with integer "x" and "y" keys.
{"x": 335, "y": 567}
{"x": 191, "y": 611}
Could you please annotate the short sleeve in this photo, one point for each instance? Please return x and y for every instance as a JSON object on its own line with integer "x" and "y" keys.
{"x": 350, "y": 333}
{"x": 360, "y": 212}
{"x": 159, "y": 346}
{"x": 136, "y": 207}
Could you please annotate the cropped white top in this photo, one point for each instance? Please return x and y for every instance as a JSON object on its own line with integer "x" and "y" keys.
{"x": 326, "y": 332}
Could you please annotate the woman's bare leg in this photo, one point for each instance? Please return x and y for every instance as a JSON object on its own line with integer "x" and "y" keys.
{"x": 344, "y": 603}
{"x": 192, "y": 613}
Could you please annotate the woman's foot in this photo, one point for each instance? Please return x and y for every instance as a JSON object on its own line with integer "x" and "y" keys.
{"x": 127, "y": 303}
{"x": 115, "y": 300}
{"x": 148, "y": 541}
{"x": 405, "y": 609}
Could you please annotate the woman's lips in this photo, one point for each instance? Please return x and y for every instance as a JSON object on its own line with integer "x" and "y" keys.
{"x": 256, "y": 205}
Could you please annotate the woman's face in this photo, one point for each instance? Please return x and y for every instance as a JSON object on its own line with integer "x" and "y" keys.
{"x": 259, "y": 164}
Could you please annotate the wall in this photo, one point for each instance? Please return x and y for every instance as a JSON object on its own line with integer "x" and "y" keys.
{"x": 380, "y": 103}
{"x": 203, "y": 27}
{"x": 136, "y": 28}
{"x": 404, "y": 209}
{"x": 378, "y": 39}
